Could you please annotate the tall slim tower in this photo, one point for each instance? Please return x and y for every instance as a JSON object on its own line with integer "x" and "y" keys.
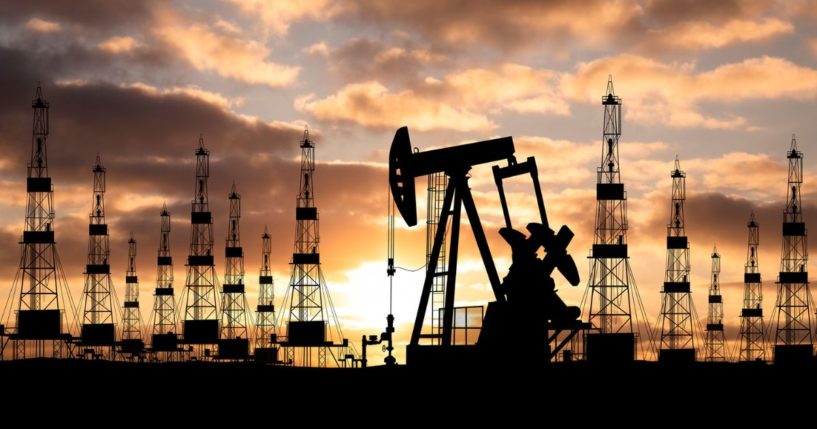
{"x": 437, "y": 185}
{"x": 610, "y": 277}
{"x": 234, "y": 342}
{"x": 265, "y": 349}
{"x": 752, "y": 343}
{"x": 164, "y": 337}
{"x": 40, "y": 316}
{"x": 312, "y": 323}
{"x": 131, "y": 315}
{"x": 714, "y": 343}
{"x": 200, "y": 313}
{"x": 97, "y": 319}
{"x": 677, "y": 336}
{"x": 793, "y": 338}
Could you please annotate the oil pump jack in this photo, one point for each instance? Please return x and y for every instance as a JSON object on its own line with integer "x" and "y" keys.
{"x": 527, "y": 318}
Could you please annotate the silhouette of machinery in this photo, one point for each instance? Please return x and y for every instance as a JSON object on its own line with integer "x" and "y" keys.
{"x": 527, "y": 316}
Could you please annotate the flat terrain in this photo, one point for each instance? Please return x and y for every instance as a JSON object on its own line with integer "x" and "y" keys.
{"x": 101, "y": 393}
{"x": 557, "y": 380}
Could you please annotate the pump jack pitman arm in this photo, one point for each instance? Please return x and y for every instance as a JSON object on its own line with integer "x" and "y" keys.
{"x": 517, "y": 169}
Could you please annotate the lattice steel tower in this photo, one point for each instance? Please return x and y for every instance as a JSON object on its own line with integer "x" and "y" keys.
{"x": 610, "y": 277}
{"x": 234, "y": 342}
{"x": 437, "y": 184}
{"x": 677, "y": 335}
{"x": 793, "y": 337}
{"x": 752, "y": 342}
{"x": 98, "y": 329}
{"x": 201, "y": 313}
{"x": 715, "y": 343}
{"x": 312, "y": 323}
{"x": 164, "y": 337}
{"x": 131, "y": 315}
{"x": 40, "y": 312}
{"x": 265, "y": 332}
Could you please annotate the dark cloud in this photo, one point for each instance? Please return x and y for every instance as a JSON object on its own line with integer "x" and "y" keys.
{"x": 129, "y": 118}
{"x": 53, "y": 56}
{"x": 124, "y": 121}
{"x": 718, "y": 218}
{"x": 509, "y": 25}
{"x": 361, "y": 59}
{"x": 89, "y": 14}
{"x": 668, "y": 12}
{"x": 653, "y": 27}
{"x": 147, "y": 143}
{"x": 74, "y": 60}
{"x": 77, "y": 51}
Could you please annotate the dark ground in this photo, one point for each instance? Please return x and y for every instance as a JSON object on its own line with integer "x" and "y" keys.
{"x": 198, "y": 391}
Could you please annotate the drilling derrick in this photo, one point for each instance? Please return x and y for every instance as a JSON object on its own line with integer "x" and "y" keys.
{"x": 132, "y": 342}
{"x": 200, "y": 313}
{"x": 677, "y": 336}
{"x": 610, "y": 277}
{"x": 793, "y": 338}
{"x": 234, "y": 342}
{"x": 715, "y": 344}
{"x": 40, "y": 318}
{"x": 265, "y": 335}
{"x": 97, "y": 320}
{"x": 752, "y": 343}
{"x": 164, "y": 338}
{"x": 312, "y": 325}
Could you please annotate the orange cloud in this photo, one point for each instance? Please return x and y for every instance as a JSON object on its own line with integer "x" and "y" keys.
{"x": 567, "y": 163}
{"x": 423, "y": 56}
{"x": 656, "y": 92}
{"x": 193, "y": 91}
{"x": 757, "y": 78}
{"x": 559, "y": 161}
{"x": 278, "y": 15}
{"x": 318, "y": 48}
{"x": 767, "y": 175}
{"x": 509, "y": 26}
{"x": 670, "y": 93}
{"x": 224, "y": 53}
{"x": 43, "y": 26}
{"x": 512, "y": 87}
{"x": 691, "y": 25}
{"x": 227, "y": 26}
{"x": 698, "y": 35}
{"x": 665, "y": 93}
{"x": 371, "y": 104}
{"x": 119, "y": 44}
{"x": 458, "y": 102}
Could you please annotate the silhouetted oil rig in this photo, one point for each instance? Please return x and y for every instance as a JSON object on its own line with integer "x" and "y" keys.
{"x": 526, "y": 318}
{"x": 611, "y": 285}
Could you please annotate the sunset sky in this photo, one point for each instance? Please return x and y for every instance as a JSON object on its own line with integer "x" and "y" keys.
{"x": 723, "y": 85}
